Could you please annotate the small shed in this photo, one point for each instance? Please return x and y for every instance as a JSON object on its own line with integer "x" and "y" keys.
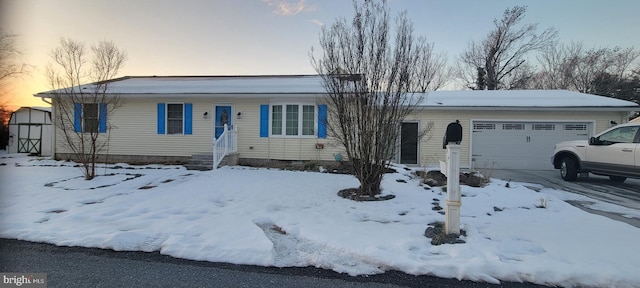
{"x": 30, "y": 131}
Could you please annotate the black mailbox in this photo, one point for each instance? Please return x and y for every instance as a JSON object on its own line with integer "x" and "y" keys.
{"x": 453, "y": 134}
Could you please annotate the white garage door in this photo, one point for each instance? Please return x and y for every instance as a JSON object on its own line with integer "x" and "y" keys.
{"x": 521, "y": 145}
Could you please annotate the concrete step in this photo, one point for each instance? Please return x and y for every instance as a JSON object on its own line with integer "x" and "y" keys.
{"x": 203, "y": 162}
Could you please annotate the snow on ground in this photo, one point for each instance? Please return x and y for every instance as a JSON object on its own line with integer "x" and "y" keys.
{"x": 284, "y": 218}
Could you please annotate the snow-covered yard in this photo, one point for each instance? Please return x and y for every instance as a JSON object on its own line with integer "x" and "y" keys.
{"x": 284, "y": 218}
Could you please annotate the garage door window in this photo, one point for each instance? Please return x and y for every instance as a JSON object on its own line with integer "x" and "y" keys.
{"x": 484, "y": 126}
{"x": 575, "y": 127}
{"x": 543, "y": 127}
{"x": 513, "y": 126}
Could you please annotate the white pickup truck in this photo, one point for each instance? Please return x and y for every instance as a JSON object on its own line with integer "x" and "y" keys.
{"x": 614, "y": 153}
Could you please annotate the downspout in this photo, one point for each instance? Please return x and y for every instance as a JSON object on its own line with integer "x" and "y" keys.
{"x": 53, "y": 125}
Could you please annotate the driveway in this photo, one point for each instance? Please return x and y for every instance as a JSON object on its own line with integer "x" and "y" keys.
{"x": 626, "y": 194}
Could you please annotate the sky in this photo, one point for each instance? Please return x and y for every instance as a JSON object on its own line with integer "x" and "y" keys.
{"x": 267, "y": 37}
{"x": 516, "y": 232}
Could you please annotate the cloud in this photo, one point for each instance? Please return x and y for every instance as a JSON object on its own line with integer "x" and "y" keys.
{"x": 317, "y": 22}
{"x": 286, "y": 8}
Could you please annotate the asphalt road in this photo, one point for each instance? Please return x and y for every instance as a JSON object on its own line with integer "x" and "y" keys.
{"x": 88, "y": 267}
{"x": 626, "y": 194}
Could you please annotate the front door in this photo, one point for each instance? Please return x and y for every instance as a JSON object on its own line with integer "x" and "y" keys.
{"x": 223, "y": 116}
{"x": 409, "y": 143}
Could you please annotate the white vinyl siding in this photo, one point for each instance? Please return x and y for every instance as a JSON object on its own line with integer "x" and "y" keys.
{"x": 135, "y": 131}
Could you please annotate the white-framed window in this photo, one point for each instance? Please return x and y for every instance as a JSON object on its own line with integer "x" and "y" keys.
{"x": 293, "y": 120}
{"x": 175, "y": 118}
{"x": 90, "y": 117}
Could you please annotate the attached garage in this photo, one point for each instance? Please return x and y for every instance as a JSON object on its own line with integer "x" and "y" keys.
{"x": 507, "y": 129}
{"x": 522, "y": 144}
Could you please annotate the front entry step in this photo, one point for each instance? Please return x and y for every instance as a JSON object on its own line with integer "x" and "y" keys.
{"x": 201, "y": 162}
{"x": 204, "y": 161}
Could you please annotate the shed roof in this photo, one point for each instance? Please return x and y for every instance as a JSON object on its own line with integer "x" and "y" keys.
{"x": 43, "y": 109}
{"x": 311, "y": 85}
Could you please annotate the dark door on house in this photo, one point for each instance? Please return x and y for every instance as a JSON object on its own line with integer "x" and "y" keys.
{"x": 223, "y": 116}
{"x": 409, "y": 143}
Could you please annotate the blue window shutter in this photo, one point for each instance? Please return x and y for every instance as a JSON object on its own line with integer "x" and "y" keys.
{"x": 188, "y": 118}
{"x": 161, "y": 118}
{"x": 264, "y": 120}
{"x": 77, "y": 117}
{"x": 102, "y": 112}
{"x": 322, "y": 121}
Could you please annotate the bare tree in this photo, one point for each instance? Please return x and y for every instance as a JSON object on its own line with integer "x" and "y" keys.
{"x": 10, "y": 67}
{"x": 556, "y": 66}
{"x": 79, "y": 79}
{"x": 502, "y": 53}
{"x": 432, "y": 70}
{"x": 5, "y": 114}
{"x": 368, "y": 74}
{"x": 601, "y": 71}
{"x": 10, "y": 64}
{"x": 596, "y": 65}
{"x": 576, "y": 68}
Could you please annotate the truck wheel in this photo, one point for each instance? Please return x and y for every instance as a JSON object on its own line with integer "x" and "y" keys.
{"x": 618, "y": 179}
{"x": 569, "y": 169}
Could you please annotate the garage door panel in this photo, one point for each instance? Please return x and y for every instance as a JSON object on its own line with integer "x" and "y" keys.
{"x": 521, "y": 145}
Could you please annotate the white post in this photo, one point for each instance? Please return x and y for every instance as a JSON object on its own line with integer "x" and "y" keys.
{"x": 452, "y": 209}
{"x": 215, "y": 151}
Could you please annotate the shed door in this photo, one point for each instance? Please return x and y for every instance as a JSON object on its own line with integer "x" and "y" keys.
{"x": 521, "y": 145}
{"x": 29, "y": 138}
{"x": 409, "y": 143}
